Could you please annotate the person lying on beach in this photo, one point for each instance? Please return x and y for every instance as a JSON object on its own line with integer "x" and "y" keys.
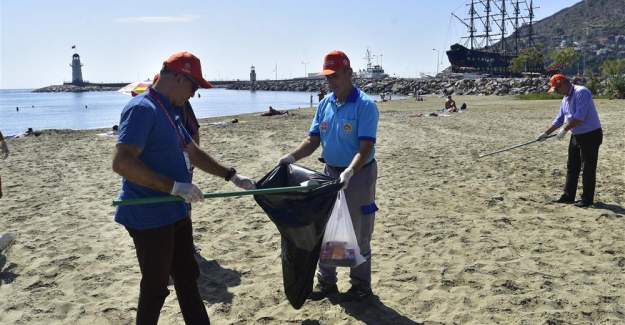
{"x": 153, "y": 155}
{"x": 450, "y": 105}
{"x": 5, "y": 155}
{"x": 272, "y": 112}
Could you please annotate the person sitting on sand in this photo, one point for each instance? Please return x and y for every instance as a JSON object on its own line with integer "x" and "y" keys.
{"x": 450, "y": 105}
{"x": 272, "y": 112}
{"x": 5, "y": 154}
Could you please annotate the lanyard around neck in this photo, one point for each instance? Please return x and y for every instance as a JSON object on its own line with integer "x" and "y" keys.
{"x": 171, "y": 121}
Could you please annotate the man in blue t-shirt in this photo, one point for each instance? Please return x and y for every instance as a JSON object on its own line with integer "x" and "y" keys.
{"x": 154, "y": 153}
{"x": 578, "y": 115}
{"x": 345, "y": 125}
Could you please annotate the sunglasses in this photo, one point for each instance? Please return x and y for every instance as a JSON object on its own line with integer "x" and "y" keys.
{"x": 193, "y": 83}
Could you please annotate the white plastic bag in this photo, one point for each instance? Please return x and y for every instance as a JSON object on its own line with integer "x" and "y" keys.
{"x": 340, "y": 245}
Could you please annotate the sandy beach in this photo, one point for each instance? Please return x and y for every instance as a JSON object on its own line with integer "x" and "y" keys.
{"x": 457, "y": 240}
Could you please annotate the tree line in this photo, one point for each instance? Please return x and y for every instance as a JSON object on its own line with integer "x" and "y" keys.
{"x": 609, "y": 79}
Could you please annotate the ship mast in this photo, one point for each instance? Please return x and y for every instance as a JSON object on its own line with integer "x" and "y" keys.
{"x": 487, "y": 25}
{"x": 368, "y": 58}
{"x": 472, "y": 24}
{"x": 500, "y": 18}
{"x": 516, "y": 27}
{"x": 531, "y": 24}
{"x": 503, "y": 26}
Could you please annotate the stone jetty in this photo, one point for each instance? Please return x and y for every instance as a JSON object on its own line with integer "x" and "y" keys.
{"x": 81, "y": 88}
{"x": 408, "y": 87}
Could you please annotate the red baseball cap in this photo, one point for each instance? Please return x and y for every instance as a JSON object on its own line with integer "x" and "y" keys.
{"x": 334, "y": 61}
{"x": 187, "y": 64}
{"x": 555, "y": 80}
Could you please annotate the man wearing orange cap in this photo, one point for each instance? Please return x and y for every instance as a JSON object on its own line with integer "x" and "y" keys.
{"x": 345, "y": 125}
{"x": 578, "y": 115}
{"x": 153, "y": 155}
{"x": 192, "y": 126}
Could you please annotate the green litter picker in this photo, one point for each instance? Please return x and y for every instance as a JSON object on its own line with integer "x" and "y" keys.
{"x": 171, "y": 198}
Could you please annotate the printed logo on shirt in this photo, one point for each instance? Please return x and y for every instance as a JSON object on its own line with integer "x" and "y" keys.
{"x": 324, "y": 126}
{"x": 347, "y": 128}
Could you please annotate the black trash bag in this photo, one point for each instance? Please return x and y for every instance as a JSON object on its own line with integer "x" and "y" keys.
{"x": 301, "y": 219}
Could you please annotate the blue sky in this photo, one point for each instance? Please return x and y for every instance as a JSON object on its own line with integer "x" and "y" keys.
{"x": 128, "y": 40}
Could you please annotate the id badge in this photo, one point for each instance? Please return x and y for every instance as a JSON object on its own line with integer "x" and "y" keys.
{"x": 187, "y": 161}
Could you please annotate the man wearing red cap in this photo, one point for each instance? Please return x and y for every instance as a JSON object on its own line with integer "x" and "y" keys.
{"x": 578, "y": 115}
{"x": 345, "y": 125}
{"x": 153, "y": 155}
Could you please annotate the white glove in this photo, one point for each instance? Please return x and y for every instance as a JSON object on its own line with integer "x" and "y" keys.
{"x": 561, "y": 134}
{"x": 286, "y": 160}
{"x": 542, "y": 136}
{"x": 189, "y": 192}
{"x": 243, "y": 182}
{"x": 345, "y": 176}
{"x": 5, "y": 150}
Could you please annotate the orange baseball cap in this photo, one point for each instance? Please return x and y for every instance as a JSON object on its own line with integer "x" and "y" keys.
{"x": 334, "y": 61}
{"x": 555, "y": 80}
{"x": 187, "y": 64}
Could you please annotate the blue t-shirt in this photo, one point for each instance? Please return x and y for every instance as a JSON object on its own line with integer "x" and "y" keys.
{"x": 578, "y": 105}
{"x": 145, "y": 124}
{"x": 342, "y": 127}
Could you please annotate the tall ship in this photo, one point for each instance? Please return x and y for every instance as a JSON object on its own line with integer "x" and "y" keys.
{"x": 497, "y": 32}
{"x": 373, "y": 71}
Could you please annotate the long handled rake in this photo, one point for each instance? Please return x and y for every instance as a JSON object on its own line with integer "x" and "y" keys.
{"x": 476, "y": 155}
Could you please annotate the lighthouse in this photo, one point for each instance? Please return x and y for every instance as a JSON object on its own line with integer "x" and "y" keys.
{"x": 253, "y": 79}
{"x": 76, "y": 70}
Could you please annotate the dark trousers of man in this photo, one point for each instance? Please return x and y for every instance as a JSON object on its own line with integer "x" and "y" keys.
{"x": 583, "y": 151}
{"x": 162, "y": 252}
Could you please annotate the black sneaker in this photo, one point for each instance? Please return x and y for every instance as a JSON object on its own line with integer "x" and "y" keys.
{"x": 323, "y": 290}
{"x": 583, "y": 204}
{"x": 359, "y": 293}
{"x": 564, "y": 199}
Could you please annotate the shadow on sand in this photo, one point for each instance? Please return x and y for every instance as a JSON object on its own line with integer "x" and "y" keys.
{"x": 370, "y": 311}
{"x": 612, "y": 207}
{"x": 214, "y": 281}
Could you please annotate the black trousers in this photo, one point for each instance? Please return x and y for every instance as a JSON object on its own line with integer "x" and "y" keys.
{"x": 583, "y": 152}
{"x": 163, "y": 252}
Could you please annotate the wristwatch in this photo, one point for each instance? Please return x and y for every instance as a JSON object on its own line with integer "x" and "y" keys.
{"x": 230, "y": 174}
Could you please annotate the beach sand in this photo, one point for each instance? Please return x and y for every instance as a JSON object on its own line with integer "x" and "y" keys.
{"x": 457, "y": 241}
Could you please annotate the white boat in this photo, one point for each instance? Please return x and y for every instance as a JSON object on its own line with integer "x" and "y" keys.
{"x": 373, "y": 71}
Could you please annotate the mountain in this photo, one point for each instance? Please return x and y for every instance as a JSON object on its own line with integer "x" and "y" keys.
{"x": 595, "y": 28}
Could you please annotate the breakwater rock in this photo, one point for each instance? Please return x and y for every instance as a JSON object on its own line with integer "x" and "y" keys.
{"x": 408, "y": 87}
{"x": 81, "y": 88}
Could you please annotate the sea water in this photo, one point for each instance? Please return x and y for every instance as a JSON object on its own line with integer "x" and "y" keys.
{"x": 23, "y": 109}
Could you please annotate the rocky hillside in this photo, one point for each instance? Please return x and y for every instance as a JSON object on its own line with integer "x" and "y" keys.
{"x": 595, "y": 28}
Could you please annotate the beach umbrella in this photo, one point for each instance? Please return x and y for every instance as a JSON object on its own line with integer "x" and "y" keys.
{"x": 136, "y": 88}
